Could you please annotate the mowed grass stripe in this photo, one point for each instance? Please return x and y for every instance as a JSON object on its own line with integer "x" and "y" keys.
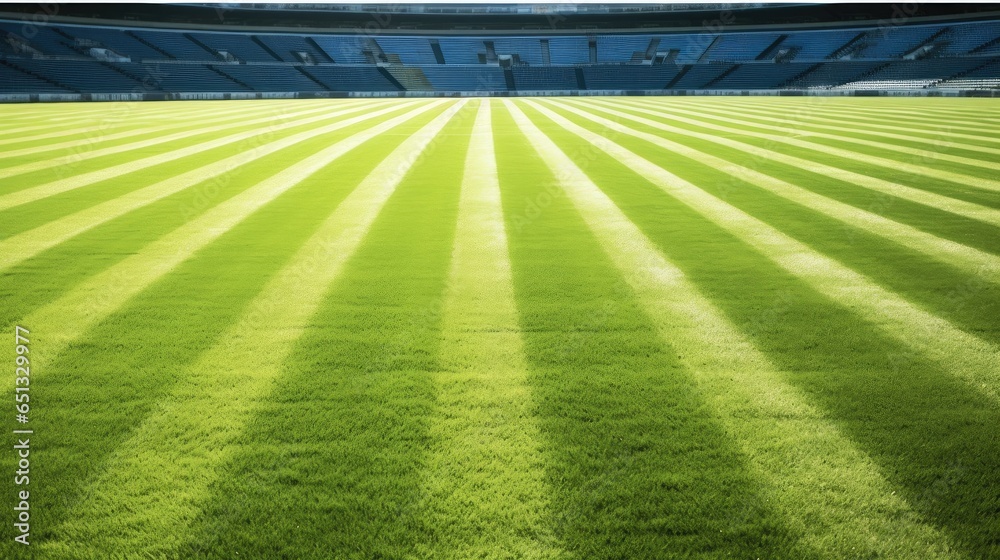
{"x": 929, "y": 283}
{"x": 484, "y": 481}
{"x": 639, "y": 466}
{"x": 853, "y": 155}
{"x": 925, "y": 217}
{"x": 928, "y": 127}
{"x": 846, "y": 165}
{"x": 332, "y": 459}
{"x": 800, "y": 123}
{"x": 53, "y": 272}
{"x": 123, "y": 116}
{"x": 933, "y": 153}
{"x": 115, "y": 128}
{"x": 940, "y": 155}
{"x": 961, "y": 354}
{"x": 94, "y": 142}
{"x": 42, "y": 211}
{"x": 164, "y": 339}
{"x": 933, "y": 200}
{"x": 819, "y": 491}
{"x": 69, "y": 125}
{"x": 891, "y": 109}
{"x": 925, "y": 113}
{"x": 20, "y": 247}
{"x": 966, "y": 258}
{"x": 74, "y": 159}
{"x": 37, "y": 192}
{"x": 179, "y": 445}
{"x": 67, "y": 318}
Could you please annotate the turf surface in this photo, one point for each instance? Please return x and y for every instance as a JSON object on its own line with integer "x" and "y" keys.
{"x": 532, "y": 328}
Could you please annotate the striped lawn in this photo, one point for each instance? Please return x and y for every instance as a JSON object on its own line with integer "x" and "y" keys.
{"x": 533, "y": 328}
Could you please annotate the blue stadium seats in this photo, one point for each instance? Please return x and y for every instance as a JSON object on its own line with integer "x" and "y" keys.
{"x": 829, "y": 74}
{"x": 239, "y": 45}
{"x": 174, "y": 43}
{"x": 461, "y": 50}
{"x": 465, "y": 78}
{"x": 741, "y": 46}
{"x": 528, "y": 49}
{"x": 16, "y": 81}
{"x": 619, "y": 48}
{"x": 813, "y": 46}
{"x": 285, "y": 46}
{"x": 114, "y": 39}
{"x": 896, "y": 41}
{"x": 569, "y": 50}
{"x": 530, "y": 78}
{"x": 343, "y": 49}
{"x": 81, "y": 75}
{"x": 689, "y": 47}
{"x": 699, "y": 75}
{"x": 59, "y": 58}
{"x": 413, "y": 51}
{"x": 269, "y": 77}
{"x": 761, "y": 75}
{"x": 351, "y": 78}
{"x": 965, "y": 37}
{"x": 180, "y": 77}
{"x": 44, "y": 39}
{"x": 629, "y": 76}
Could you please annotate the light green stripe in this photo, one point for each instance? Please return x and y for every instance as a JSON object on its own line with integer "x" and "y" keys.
{"x": 485, "y": 475}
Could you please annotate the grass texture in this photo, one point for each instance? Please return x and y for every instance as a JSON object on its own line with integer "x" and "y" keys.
{"x": 550, "y": 328}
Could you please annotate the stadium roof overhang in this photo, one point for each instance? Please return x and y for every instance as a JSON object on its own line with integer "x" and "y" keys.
{"x": 470, "y": 18}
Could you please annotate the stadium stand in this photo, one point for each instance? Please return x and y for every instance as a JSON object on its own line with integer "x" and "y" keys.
{"x": 629, "y": 76}
{"x": 468, "y": 78}
{"x": 73, "y": 58}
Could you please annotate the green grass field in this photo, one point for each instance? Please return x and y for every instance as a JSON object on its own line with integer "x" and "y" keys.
{"x": 638, "y": 328}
